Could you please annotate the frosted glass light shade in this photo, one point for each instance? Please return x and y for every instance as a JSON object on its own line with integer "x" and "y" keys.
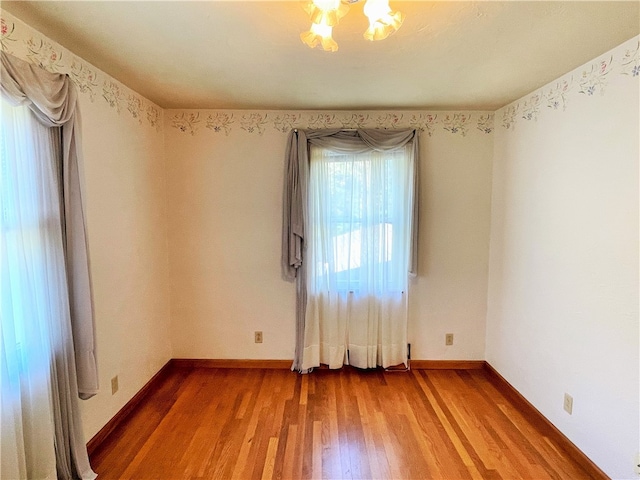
{"x": 382, "y": 21}
{"x": 320, "y": 34}
{"x": 326, "y": 12}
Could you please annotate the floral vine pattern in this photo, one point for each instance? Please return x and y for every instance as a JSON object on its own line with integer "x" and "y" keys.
{"x": 111, "y": 93}
{"x": 355, "y": 120}
{"x": 7, "y": 33}
{"x": 557, "y": 96}
{"x": 153, "y": 117}
{"x": 84, "y": 78}
{"x": 253, "y": 122}
{"x": 509, "y": 116}
{"x": 457, "y": 123}
{"x": 596, "y": 78}
{"x": 630, "y": 63}
{"x": 485, "y": 123}
{"x": 135, "y": 107}
{"x": 285, "y": 122}
{"x": 44, "y": 55}
{"x": 24, "y": 42}
{"x": 389, "y": 120}
{"x": 532, "y": 107}
{"x": 323, "y": 120}
{"x": 220, "y": 121}
{"x": 186, "y": 122}
{"x": 424, "y": 122}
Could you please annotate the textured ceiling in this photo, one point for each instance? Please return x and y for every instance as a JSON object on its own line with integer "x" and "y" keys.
{"x": 248, "y": 55}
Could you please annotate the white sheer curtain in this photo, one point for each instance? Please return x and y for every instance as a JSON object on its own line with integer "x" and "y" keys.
{"x": 360, "y": 208}
{"x": 35, "y": 325}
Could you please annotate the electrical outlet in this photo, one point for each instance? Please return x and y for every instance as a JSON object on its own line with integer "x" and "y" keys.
{"x": 114, "y": 385}
{"x": 448, "y": 339}
{"x": 258, "y": 337}
{"x": 568, "y": 403}
{"x": 637, "y": 464}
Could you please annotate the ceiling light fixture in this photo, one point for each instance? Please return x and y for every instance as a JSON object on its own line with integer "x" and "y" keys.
{"x": 325, "y": 14}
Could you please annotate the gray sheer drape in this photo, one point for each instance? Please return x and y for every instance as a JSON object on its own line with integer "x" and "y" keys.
{"x": 294, "y": 203}
{"x": 53, "y": 100}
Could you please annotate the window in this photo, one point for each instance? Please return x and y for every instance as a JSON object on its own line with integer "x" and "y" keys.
{"x": 360, "y": 208}
{"x": 359, "y": 220}
{"x": 349, "y": 240}
{"x": 33, "y": 296}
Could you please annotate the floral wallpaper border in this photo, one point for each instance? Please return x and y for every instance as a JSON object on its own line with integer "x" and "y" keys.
{"x": 22, "y": 41}
{"x": 29, "y": 45}
{"x": 458, "y": 123}
{"x": 585, "y": 81}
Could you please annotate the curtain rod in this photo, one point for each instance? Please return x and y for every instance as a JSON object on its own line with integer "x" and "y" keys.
{"x": 343, "y": 129}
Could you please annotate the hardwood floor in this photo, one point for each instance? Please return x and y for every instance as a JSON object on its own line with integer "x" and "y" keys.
{"x": 269, "y": 423}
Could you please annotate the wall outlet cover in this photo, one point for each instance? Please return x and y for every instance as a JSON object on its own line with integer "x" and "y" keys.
{"x": 568, "y": 403}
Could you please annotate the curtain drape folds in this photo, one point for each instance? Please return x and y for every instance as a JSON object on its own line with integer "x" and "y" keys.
{"x": 53, "y": 100}
{"x": 295, "y": 194}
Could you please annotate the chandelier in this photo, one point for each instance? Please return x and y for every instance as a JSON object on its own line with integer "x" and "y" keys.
{"x": 325, "y": 14}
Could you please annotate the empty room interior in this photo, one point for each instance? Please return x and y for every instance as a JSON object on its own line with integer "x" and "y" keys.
{"x": 518, "y": 297}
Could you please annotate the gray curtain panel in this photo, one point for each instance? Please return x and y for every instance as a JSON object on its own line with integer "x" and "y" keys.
{"x": 53, "y": 99}
{"x": 294, "y": 202}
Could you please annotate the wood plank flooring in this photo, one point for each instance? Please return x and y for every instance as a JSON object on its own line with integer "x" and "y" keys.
{"x": 274, "y": 424}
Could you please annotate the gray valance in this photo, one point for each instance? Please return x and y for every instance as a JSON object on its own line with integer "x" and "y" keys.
{"x": 294, "y": 202}
{"x": 52, "y": 97}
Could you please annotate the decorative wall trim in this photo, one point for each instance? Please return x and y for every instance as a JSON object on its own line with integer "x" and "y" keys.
{"x": 230, "y": 363}
{"x": 193, "y": 122}
{"x": 586, "y": 81}
{"x": 151, "y": 386}
{"x": 447, "y": 364}
{"x": 286, "y": 364}
{"x": 24, "y": 42}
{"x": 541, "y": 422}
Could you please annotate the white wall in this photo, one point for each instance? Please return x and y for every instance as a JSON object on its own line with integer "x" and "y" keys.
{"x": 125, "y": 199}
{"x": 563, "y": 283}
{"x": 225, "y": 196}
{"x": 127, "y": 222}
